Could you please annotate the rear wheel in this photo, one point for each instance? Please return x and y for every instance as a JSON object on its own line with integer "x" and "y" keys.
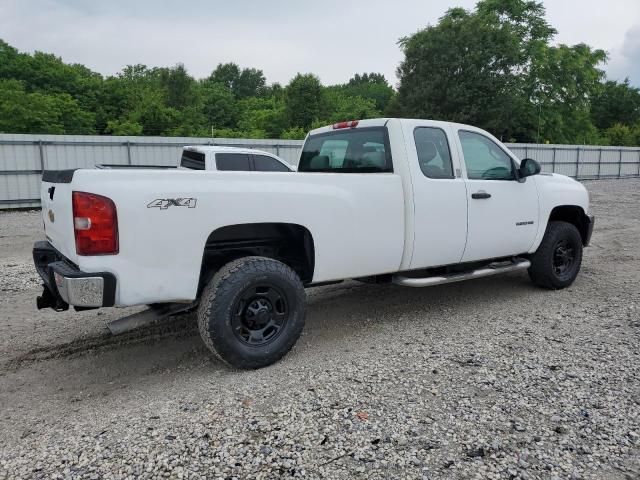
{"x": 557, "y": 261}
{"x": 252, "y": 312}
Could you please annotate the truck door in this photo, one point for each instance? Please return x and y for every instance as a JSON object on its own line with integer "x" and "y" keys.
{"x": 503, "y": 213}
{"x": 440, "y": 197}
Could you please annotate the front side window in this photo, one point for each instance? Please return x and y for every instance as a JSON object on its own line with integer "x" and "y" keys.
{"x": 263, "y": 163}
{"x": 484, "y": 159}
{"x": 434, "y": 155}
{"x": 355, "y": 150}
{"x": 233, "y": 162}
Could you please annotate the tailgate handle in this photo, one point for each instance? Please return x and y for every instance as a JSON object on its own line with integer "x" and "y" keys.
{"x": 51, "y": 191}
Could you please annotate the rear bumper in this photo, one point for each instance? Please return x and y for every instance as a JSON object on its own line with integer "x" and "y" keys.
{"x": 65, "y": 284}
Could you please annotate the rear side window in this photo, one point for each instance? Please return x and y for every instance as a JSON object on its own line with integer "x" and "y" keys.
{"x": 192, "y": 160}
{"x": 356, "y": 150}
{"x": 263, "y": 163}
{"x": 434, "y": 156}
{"x": 233, "y": 162}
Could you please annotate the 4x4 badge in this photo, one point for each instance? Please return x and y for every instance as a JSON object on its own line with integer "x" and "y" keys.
{"x": 164, "y": 203}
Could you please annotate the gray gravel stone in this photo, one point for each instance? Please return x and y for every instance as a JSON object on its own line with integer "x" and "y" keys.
{"x": 491, "y": 379}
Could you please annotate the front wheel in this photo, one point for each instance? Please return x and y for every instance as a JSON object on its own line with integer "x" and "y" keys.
{"x": 252, "y": 312}
{"x": 557, "y": 261}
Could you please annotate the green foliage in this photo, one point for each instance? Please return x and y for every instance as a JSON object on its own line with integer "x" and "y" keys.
{"x": 218, "y": 105}
{"x": 248, "y": 82}
{"x": 473, "y": 66}
{"x": 344, "y": 107}
{"x": 304, "y": 100}
{"x": 262, "y": 114}
{"x": 74, "y": 119}
{"x": 294, "y": 133}
{"x": 40, "y": 93}
{"x": 372, "y": 86}
{"x": 616, "y": 103}
{"x": 562, "y": 84}
{"x": 495, "y": 67}
{"x": 154, "y": 115}
{"x": 117, "y": 127}
{"x": 623, "y": 135}
{"x": 179, "y": 87}
{"x": 24, "y": 112}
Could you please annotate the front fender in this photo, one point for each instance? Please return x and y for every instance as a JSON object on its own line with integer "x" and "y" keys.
{"x": 555, "y": 191}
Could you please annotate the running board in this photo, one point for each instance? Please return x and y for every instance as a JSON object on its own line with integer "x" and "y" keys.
{"x": 491, "y": 269}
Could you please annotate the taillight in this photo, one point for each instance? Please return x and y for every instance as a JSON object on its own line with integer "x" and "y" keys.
{"x": 351, "y": 124}
{"x": 95, "y": 224}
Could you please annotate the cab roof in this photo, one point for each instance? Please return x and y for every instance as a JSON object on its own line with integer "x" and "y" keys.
{"x": 225, "y": 149}
{"x": 381, "y": 122}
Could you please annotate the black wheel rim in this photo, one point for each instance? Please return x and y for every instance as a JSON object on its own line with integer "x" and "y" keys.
{"x": 564, "y": 257}
{"x": 259, "y": 315}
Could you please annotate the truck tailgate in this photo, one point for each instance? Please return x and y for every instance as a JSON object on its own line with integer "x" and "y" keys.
{"x": 57, "y": 211}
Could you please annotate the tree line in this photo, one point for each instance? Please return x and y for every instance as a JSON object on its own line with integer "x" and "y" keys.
{"x": 495, "y": 67}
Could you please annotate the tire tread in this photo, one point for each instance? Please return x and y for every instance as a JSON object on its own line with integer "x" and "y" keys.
{"x": 229, "y": 278}
{"x": 540, "y": 271}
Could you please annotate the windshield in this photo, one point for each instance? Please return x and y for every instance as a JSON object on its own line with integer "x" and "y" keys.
{"x": 352, "y": 150}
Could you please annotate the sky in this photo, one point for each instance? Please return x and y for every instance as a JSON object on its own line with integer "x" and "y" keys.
{"x": 331, "y": 38}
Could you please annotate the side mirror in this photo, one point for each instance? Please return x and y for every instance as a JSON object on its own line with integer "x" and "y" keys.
{"x": 529, "y": 167}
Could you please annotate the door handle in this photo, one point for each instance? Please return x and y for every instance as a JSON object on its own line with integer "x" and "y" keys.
{"x": 481, "y": 195}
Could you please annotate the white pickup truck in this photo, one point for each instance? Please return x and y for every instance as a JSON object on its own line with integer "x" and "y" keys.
{"x": 412, "y": 202}
{"x": 231, "y": 159}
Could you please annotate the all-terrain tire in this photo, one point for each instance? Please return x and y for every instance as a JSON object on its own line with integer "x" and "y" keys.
{"x": 552, "y": 266}
{"x": 239, "y": 302}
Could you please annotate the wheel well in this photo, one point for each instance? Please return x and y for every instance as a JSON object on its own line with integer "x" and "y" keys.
{"x": 574, "y": 215}
{"x": 289, "y": 243}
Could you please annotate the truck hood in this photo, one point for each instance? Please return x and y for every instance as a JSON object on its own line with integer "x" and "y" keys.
{"x": 558, "y": 178}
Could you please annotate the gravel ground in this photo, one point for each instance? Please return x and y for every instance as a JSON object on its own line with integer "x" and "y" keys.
{"x": 491, "y": 378}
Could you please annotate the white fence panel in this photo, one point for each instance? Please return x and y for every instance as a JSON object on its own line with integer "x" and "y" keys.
{"x": 24, "y": 157}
